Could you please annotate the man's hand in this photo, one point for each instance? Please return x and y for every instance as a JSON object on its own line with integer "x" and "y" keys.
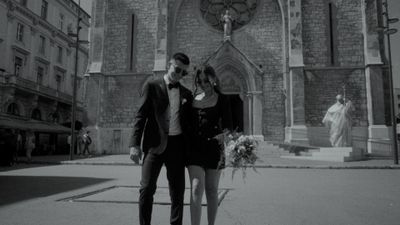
{"x": 135, "y": 154}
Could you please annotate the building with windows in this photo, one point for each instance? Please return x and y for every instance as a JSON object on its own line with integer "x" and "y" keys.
{"x": 282, "y": 62}
{"x": 37, "y": 65}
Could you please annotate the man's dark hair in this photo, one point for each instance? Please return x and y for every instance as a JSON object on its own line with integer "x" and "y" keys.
{"x": 181, "y": 57}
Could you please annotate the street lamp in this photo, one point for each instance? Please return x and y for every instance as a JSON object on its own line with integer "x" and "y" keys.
{"x": 76, "y": 45}
{"x": 389, "y": 31}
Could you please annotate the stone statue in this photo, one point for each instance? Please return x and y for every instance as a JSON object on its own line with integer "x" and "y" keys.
{"x": 338, "y": 119}
{"x": 227, "y": 20}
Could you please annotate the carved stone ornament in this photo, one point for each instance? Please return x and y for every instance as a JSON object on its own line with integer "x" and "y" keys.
{"x": 33, "y": 31}
{"x": 11, "y": 5}
{"x": 214, "y": 12}
{"x": 35, "y": 21}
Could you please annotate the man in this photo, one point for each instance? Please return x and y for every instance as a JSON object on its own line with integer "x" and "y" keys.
{"x": 338, "y": 119}
{"x": 86, "y": 142}
{"x": 162, "y": 121}
{"x": 19, "y": 145}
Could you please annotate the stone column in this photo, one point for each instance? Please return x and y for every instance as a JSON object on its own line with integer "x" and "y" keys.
{"x": 378, "y": 133}
{"x": 255, "y": 115}
{"x": 95, "y": 77}
{"x": 97, "y": 36}
{"x": 92, "y": 109}
{"x": 161, "y": 54}
{"x": 296, "y": 132}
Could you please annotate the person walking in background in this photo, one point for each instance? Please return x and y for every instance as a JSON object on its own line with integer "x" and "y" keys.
{"x": 79, "y": 142}
{"x": 162, "y": 121}
{"x": 212, "y": 119}
{"x": 69, "y": 142}
{"x": 30, "y": 145}
{"x": 19, "y": 145}
{"x": 87, "y": 140}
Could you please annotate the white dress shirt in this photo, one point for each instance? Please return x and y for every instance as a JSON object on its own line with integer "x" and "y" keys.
{"x": 173, "y": 109}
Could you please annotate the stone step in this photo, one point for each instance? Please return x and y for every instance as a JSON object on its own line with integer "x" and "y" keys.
{"x": 320, "y": 158}
{"x": 332, "y": 154}
{"x": 269, "y": 150}
{"x": 339, "y": 150}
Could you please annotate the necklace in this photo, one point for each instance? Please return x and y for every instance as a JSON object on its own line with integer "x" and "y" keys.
{"x": 203, "y": 101}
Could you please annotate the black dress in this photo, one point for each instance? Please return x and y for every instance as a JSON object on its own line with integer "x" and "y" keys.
{"x": 206, "y": 151}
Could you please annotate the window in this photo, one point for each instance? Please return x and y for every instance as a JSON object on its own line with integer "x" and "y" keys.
{"x": 62, "y": 18}
{"x": 36, "y": 114}
{"x": 58, "y": 82}
{"x": 60, "y": 54}
{"x": 40, "y": 74}
{"x": 42, "y": 45}
{"x": 55, "y": 117}
{"x": 13, "y": 109}
{"x": 45, "y": 6}
{"x": 17, "y": 66}
{"x": 20, "y": 32}
{"x": 23, "y": 2}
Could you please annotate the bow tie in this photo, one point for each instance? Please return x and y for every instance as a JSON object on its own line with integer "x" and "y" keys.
{"x": 170, "y": 85}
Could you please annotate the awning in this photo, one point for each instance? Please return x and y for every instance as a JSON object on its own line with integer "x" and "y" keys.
{"x": 34, "y": 125}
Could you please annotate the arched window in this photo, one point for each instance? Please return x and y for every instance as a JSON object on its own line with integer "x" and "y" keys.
{"x": 13, "y": 109}
{"x": 36, "y": 114}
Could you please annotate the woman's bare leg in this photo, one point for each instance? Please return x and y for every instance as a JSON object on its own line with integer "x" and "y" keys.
{"x": 196, "y": 174}
{"x": 211, "y": 187}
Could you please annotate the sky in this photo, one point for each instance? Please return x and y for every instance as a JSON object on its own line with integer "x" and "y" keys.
{"x": 394, "y": 11}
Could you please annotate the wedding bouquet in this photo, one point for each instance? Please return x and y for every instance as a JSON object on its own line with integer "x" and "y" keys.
{"x": 241, "y": 152}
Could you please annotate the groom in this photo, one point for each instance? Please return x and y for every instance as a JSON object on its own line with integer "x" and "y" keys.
{"x": 162, "y": 121}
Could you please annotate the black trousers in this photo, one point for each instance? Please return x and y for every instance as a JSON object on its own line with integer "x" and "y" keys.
{"x": 173, "y": 159}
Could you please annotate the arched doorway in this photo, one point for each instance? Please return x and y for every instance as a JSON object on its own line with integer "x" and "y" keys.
{"x": 232, "y": 87}
{"x": 241, "y": 80}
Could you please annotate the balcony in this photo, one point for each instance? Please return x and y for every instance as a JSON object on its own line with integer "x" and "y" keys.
{"x": 35, "y": 88}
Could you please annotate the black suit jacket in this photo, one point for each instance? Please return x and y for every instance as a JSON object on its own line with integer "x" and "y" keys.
{"x": 152, "y": 123}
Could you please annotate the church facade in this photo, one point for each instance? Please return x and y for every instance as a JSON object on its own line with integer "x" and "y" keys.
{"x": 282, "y": 62}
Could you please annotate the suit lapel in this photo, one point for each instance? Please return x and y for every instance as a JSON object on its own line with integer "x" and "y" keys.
{"x": 163, "y": 87}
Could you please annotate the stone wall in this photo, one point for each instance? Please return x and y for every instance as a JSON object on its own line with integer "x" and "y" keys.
{"x": 347, "y": 33}
{"x": 117, "y": 41}
{"x": 321, "y": 88}
{"x": 119, "y": 100}
{"x": 315, "y": 32}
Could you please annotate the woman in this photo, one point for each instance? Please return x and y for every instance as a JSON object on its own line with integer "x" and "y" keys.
{"x": 211, "y": 118}
{"x": 30, "y": 145}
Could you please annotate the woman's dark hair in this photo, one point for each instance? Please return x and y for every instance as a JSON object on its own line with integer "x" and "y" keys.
{"x": 210, "y": 74}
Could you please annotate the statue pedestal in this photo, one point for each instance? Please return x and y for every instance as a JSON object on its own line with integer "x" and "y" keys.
{"x": 333, "y": 154}
{"x": 379, "y": 142}
{"x": 297, "y": 134}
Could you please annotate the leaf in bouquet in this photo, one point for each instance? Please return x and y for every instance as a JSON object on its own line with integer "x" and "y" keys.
{"x": 255, "y": 169}
{"x": 244, "y": 174}
{"x": 233, "y": 172}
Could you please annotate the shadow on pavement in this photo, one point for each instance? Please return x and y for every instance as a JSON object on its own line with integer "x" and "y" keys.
{"x": 21, "y": 188}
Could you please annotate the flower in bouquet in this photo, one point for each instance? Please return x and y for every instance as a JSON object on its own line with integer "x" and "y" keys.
{"x": 241, "y": 152}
